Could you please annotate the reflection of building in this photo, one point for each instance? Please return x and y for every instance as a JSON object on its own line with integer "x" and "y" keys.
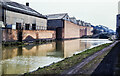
{"x": 69, "y": 47}
{"x": 25, "y": 59}
{"x": 85, "y": 44}
{"x": 9, "y": 53}
{"x": 39, "y": 50}
{"x": 59, "y": 49}
{"x": 21, "y": 60}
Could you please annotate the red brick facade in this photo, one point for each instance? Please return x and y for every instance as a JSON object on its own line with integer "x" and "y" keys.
{"x": 12, "y": 35}
{"x": 71, "y": 30}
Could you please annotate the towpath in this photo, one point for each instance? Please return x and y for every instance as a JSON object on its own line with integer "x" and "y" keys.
{"x": 110, "y": 66}
{"x": 102, "y": 63}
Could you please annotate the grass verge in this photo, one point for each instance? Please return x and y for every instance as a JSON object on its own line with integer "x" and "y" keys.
{"x": 21, "y": 44}
{"x": 57, "y": 68}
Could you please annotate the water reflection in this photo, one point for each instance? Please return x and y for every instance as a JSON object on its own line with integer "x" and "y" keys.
{"x": 25, "y": 59}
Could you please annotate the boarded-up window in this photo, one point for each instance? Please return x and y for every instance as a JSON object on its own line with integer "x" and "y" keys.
{"x": 33, "y": 26}
{"x": 27, "y": 26}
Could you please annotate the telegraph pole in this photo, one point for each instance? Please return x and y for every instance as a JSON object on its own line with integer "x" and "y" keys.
{"x": 118, "y": 23}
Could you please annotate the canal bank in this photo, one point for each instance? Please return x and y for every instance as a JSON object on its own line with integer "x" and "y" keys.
{"x": 20, "y": 60}
{"x": 25, "y": 43}
{"x": 89, "y": 65}
{"x": 64, "y": 65}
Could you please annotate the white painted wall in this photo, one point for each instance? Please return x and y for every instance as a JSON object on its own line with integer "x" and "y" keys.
{"x": 13, "y": 17}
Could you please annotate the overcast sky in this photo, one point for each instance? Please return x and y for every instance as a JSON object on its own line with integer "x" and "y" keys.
{"x": 96, "y": 12}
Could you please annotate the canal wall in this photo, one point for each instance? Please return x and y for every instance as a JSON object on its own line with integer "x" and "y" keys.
{"x": 27, "y": 35}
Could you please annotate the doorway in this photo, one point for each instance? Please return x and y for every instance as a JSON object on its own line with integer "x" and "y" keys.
{"x": 59, "y": 35}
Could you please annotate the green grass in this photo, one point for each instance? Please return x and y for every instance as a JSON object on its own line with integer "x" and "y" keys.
{"x": 13, "y": 43}
{"x": 21, "y": 44}
{"x": 57, "y": 68}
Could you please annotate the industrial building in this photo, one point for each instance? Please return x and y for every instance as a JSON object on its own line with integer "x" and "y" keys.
{"x": 22, "y": 23}
{"x": 17, "y": 17}
{"x": 68, "y": 27}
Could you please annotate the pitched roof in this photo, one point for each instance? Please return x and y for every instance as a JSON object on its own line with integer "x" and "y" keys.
{"x": 56, "y": 16}
{"x": 79, "y": 22}
{"x": 73, "y": 19}
{"x": 20, "y": 8}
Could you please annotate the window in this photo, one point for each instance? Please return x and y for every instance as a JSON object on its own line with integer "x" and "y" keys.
{"x": 27, "y": 26}
{"x": 33, "y": 26}
{"x": 18, "y": 26}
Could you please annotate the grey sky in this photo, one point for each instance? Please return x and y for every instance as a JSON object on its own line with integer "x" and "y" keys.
{"x": 96, "y": 12}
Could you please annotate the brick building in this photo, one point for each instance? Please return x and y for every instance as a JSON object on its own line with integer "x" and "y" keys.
{"x": 23, "y": 23}
{"x": 19, "y": 19}
{"x": 68, "y": 27}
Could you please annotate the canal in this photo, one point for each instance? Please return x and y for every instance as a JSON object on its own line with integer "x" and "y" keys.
{"x": 20, "y": 60}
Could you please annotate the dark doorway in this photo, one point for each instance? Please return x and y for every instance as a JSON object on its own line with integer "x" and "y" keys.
{"x": 59, "y": 33}
{"x": 27, "y": 26}
{"x": 85, "y": 31}
{"x": 19, "y": 32}
{"x": 33, "y": 26}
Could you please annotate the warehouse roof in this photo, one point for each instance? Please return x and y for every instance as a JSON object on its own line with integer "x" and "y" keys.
{"x": 73, "y": 19}
{"x": 56, "y": 16}
{"x": 20, "y": 8}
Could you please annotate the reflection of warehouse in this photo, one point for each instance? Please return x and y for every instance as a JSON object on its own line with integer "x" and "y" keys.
{"x": 20, "y": 17}
{"x": 68, "y": 27}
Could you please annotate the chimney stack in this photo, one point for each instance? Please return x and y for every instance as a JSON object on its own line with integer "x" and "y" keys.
{"x": 27, "y": 4}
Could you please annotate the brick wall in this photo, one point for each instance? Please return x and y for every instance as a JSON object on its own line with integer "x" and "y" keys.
{"x": 41, "y": 34}
{"x": 71, "y": 30}
{"x": 89, "y": 30}
{"x": 82, "y": 31}
{"x": 11, "y": 35}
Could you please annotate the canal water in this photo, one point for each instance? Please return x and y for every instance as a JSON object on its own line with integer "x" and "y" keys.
{"x": 20, "y": 60}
